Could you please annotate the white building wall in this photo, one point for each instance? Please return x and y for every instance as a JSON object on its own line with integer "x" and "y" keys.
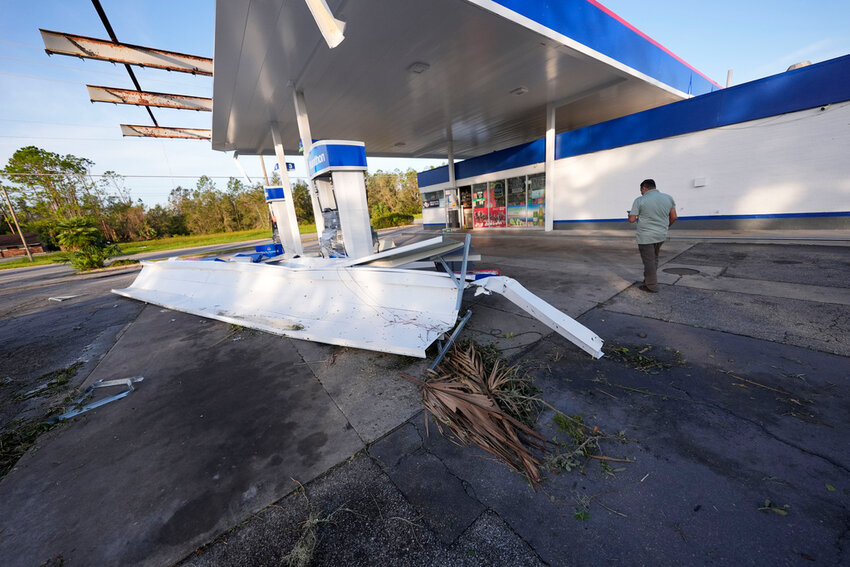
{"x": 791, "y": 163}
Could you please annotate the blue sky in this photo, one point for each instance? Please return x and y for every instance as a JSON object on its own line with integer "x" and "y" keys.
{"x": 43, "y": 100}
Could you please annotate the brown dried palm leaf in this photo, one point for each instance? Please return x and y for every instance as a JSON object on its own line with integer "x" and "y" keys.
{"x": 464, "y": 398}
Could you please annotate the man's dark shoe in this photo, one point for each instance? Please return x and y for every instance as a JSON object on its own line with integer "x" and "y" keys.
{"x": 643, "y": 287}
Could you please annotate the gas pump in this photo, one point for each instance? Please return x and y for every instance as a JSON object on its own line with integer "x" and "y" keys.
{"x": 337, "y": 169}
{"x": 282, "y": 208}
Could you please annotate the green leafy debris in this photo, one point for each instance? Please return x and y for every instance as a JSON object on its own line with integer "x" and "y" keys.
{"x": 775, "y": 508}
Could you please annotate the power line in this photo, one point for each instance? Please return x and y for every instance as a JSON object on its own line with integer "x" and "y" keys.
{"x": 77, "y": 125}
{"x": 78, "y": 139}
{"x": 22, "y": 76}
{"x": 20, "y": 45}
{"x": 101, "y": 73}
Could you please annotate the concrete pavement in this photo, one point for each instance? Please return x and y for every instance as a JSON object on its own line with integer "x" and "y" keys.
{"x": 748, "y": 404}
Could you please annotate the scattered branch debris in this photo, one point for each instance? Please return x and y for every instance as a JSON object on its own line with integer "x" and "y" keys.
{"x": 582, "y": 445}
{"x": 775, "y": 508}
{"x": 19, "y": 436}
{"x": 482, "y": 401}
{"x": 53, "y": 381}
{"x": 302, "y": 552}
{"x": 640, "y": 357}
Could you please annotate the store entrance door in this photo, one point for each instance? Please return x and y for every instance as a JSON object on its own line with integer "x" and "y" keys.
{"x": 465, "y": 194}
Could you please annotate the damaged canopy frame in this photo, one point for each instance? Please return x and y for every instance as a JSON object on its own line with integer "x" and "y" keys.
{"x": 377, "y": 302}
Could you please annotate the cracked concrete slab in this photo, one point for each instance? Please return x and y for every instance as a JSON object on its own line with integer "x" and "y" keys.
{"x": 706, "y": 453}
{"x": 363, "y": 520}
{"x": 230, "y": 409}
{"x": 787, "y": 262}
{"x": 366, "y": 386}
{"x": 439, "y": 497}
{"x": 816, "y": 293}
{"x": 810, "y": 324}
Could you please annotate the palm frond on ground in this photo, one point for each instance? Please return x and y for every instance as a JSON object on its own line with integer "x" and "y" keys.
{"x": 485, "y": 405}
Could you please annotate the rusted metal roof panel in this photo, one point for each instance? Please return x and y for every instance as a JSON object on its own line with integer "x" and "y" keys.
{"x": 164, "y": 132}
{"x": 147, "y": 98}
{"x": 92, "y": 48}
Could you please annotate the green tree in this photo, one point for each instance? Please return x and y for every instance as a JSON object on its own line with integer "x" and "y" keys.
{"x": 393, "y": 197}
{"x": 84, "y": 243}
{"x": 303, "y": 203}
{"x": 54, "y": 186}
{"x": 165, "y": 221}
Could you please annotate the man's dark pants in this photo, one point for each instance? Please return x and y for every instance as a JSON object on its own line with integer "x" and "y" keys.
{"x": 649, "y": 255}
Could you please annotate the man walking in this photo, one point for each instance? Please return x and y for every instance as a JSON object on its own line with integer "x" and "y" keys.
{"x": 654, "y": 212}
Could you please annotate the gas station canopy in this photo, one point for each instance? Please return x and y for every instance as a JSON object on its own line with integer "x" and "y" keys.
{"x": 411, "y": 75}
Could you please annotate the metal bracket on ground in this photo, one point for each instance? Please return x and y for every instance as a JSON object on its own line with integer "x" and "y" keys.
{"x": 127, "y": 382}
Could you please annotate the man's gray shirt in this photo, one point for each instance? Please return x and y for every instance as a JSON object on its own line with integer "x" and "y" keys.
{"x": 653, "y": 212}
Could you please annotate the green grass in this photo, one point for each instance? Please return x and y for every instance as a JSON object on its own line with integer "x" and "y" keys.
{"x": 38, "y": 260}
{"x": 174, "y": 242}
{"x": 159, "y": 244}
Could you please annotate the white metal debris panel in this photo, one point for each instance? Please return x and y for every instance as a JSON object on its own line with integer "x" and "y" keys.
{"x": 387, "y": 310}
{"x": 490, "y": 69}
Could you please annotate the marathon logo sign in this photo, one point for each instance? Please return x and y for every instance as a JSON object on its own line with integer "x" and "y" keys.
{"x": 327, "y": 156}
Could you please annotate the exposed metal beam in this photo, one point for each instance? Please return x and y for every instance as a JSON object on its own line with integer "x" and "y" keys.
{"x": 148, "y": 98}
{"x": 100, "y": 12}
{"x": 164, "y": 132}
{"x": 92, "y": 48}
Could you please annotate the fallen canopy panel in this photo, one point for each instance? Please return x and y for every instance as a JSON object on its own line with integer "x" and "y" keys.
{"x": 381, "y": 309}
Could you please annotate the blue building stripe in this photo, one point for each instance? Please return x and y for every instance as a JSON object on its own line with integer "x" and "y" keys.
{"x": 808, "y": 87}
{"x": 792, "y": 91}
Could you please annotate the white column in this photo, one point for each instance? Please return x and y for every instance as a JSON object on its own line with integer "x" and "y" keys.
{"x": 550, "y": 167}
{"x": 452, "y": 181}
{"x": 307, "y": 143}
{"x": 288, "y": 230}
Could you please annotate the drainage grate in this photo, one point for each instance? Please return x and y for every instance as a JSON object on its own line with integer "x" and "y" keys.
{"x": 681, "y": 271}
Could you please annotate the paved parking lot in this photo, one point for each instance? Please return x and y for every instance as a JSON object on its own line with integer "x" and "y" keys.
{"x": 736, "y": 433}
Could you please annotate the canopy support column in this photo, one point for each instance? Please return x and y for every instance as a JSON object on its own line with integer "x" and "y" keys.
{"x": 293, "y": 237}
{"x": 452, "y": 191}
{"x": 550, "y": 167}
{"x": 306, "y": 144}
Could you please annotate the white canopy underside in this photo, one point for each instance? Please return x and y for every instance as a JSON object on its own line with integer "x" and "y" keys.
{"x": 483, "y": 82}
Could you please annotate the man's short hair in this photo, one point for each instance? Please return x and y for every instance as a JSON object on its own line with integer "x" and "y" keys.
{"x": 648, "y": 184}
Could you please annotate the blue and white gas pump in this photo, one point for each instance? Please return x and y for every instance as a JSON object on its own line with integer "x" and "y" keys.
{"x": 337, "y": 169}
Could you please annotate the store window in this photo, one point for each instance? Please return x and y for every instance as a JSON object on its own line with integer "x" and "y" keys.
{"x": 537, "y": 199}
{"x": 480, "y": 205}
{"x": 497, "y": 208}
{"x": 517, "y": 202}
{"x": 431, "y": 199}
{"x": 514, "y": 202}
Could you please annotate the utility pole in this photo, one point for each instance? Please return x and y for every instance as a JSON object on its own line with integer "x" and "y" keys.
{"x": 15, "y": 218}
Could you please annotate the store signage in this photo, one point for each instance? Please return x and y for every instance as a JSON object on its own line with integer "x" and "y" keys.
{"x": 336, "y": 155}
{"x": 275, "y": 194}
